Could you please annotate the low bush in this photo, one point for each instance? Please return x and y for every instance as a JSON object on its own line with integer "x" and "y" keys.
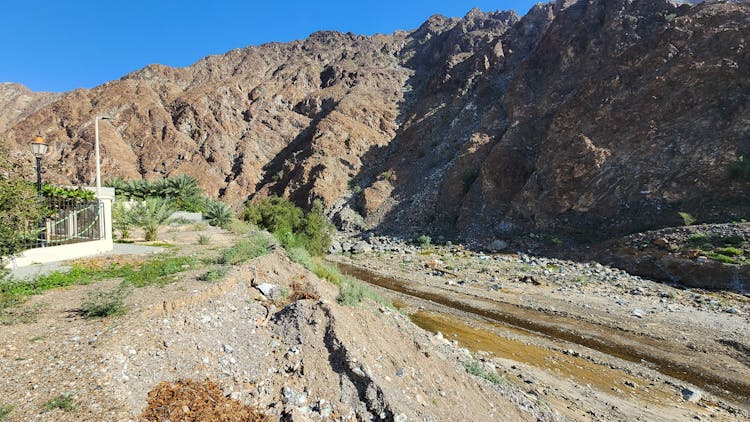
{"x": 475, "y": 368}
{"x": 239, "y": 227}
{"x": 722, "y": 258}
{"x": 245, "y": 250}
{"x": 214, "y": 274}
{"x": 352, "y": 292}
{"x": 424, "y": 241}
{"x": 301, "y": 256}
{"x": 102, "y": 304}
{"x": 64, "y": 401}
{"x": 697, "y": 238}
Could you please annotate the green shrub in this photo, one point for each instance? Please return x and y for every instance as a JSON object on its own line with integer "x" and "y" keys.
{"x": 729, "y": 251}
{"x": 291, "y": 225}
{"x": 274, "y": 214}
{"x": 102, "y": 304}
{"x": 721, "y": 258}
{"x": 64, "y": 401}
{"x": 328, "y": 272}
{"x": 687, "y": 219}
{"x": 214, "y": 274}
{"x": 424, "y": 241}
{"x": 697, "y": 238}
{"x": 219, "y": 214}
{"x": 301, "y": 256}
{"x": 5, "y": 410}
{"x": 239, "y": 227}
{"x": 158, "y": 270}
{"x": 475, "y": 368}
{"x": 352, "y": 292}
{"x": 20, "y": 212}
{"x": 148, "y": 214}
{"x": 245, "y": 250}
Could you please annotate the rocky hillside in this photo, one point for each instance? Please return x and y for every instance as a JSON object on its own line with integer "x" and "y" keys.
{"x": 583, "y": 116}
{"x": 17, "y": 102}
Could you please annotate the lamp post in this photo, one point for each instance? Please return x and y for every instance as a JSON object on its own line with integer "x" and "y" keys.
{"x": 96, "y": 149}
{"x": 39, "y": 148}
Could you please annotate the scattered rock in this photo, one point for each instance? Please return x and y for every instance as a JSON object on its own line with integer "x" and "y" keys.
{"x": 692, "y": 396}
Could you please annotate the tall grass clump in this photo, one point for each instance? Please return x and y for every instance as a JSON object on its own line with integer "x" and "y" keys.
{"x": 246, "y": 249}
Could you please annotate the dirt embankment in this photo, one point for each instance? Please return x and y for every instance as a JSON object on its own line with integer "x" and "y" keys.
{"x": 309, "y": 359}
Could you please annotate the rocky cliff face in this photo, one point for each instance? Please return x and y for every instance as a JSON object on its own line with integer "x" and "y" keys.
{"x": 581, "y": 116}
{"x": 17, "y": 102}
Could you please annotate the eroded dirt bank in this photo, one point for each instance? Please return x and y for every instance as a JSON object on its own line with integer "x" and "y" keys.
{"x": 296, "y": 355}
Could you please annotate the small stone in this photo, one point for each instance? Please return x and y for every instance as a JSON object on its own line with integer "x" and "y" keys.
{"x": 399, "y": 372}
{"x": 629, "y": 383}
{"x": 732, "y": 311}
{"x": 693, "y": 396}
{"x": 269, "y": 290}
{"x": 227, "y": 348}
{"x": 638, "y": 313}
{"x": 497, "y": 245}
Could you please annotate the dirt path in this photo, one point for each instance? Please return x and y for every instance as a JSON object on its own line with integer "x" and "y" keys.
{"x": 679, "y": 348}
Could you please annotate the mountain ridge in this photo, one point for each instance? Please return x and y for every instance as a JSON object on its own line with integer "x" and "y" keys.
{"x": 581, "y": 116}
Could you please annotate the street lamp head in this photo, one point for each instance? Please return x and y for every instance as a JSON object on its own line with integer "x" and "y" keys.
{"x": 39, "y": 146}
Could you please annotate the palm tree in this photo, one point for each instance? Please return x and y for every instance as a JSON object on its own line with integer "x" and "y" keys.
{"x": 182, "y": 186}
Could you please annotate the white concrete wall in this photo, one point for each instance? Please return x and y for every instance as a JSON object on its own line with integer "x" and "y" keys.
{"x": 75, "y": 250}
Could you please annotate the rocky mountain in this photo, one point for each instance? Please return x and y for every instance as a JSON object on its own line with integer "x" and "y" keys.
{"x": 586, "y": 116}
{"x": 17, "y": 102}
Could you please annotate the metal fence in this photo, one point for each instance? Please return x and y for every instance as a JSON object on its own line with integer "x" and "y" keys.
{"x": 68, "y": 221}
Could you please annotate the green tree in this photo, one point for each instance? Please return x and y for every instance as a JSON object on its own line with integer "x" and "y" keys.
{"x": 20, "y": 212}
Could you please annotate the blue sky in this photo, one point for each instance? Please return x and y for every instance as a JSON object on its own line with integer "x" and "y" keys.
{"x": 59, "y": 45}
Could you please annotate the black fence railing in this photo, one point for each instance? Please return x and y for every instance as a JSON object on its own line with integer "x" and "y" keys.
{"x": 68, "y": 221}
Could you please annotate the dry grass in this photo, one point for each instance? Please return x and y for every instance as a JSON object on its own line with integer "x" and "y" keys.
{"x": 189, "y": 400}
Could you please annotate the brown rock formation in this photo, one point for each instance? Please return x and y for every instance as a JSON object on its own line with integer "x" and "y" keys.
{"x": 586, "y": 115}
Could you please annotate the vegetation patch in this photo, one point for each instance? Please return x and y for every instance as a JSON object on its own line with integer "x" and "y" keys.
{"x": 102, "y": 304}
{"x": 475, "y": 368}
{"x": 256, "y": 245}
{"x": 214, "y": 274}
{"x": 352, "y": 292}
{"x": 157, "y": 271}
{"x": 291, "y": 225}
{"x": 64, "y": 401}
{"x": 5, "y": 410}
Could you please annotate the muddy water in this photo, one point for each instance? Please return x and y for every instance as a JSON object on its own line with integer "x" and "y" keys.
{"x": 480, "y": 336}
{"x": 604, "y": 339}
